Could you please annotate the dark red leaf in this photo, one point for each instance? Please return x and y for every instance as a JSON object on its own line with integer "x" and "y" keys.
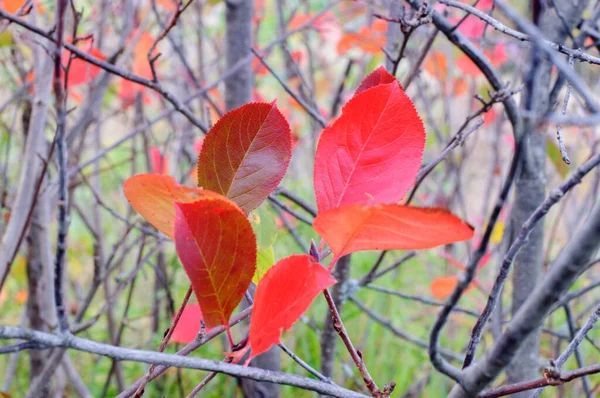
{"x": 246, "y": 154}
{"x": 217, "y": 247}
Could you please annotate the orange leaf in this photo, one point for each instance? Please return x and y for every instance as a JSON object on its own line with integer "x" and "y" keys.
{"x": 368, "y": 40}
{"x": 11, "y": 6}
{"x": 467, "y": 66}
{"x": 379, "y": 26}
{"x": 246, "y": 154}
{"x": 21, "y": 296}
{"x": 170, "y": 5}
{"x": 217, "y": 247}
{"x": 442, "y": 288}
{"x": 459, "y": 86}
{"x": 153, "y": 196}
{"x": 282, "y": 296}
{"x": 348, "y": 41}
{"x": 357, "y": 227}
{"x": 258, "y": 68}
{"x": 437, "y": 65}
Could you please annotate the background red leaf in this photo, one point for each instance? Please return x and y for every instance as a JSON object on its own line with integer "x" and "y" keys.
{"x": 81, "y": 71}
{"x": 359, "y": 227}
{"x": 373, "y": 150}
{"x": 153, "y": 196}
{"x": 282, "y": 296}
{"x": 217, "y": 247}
{"x": 375, "y": 78}
{"x": 246, "y": 154}
{"x": 158, "y": 161}
{"x": 188, "y": 326}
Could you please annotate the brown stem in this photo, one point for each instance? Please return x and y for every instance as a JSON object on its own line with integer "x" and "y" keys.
{"x": 140, "y": 390}
{"x": 550, "y": 378}
{"x": 356, "y": 355}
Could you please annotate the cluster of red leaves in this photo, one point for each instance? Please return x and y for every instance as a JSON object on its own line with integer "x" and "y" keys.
{"x": 365, "y": 163}
{"x": 242, "y": 160}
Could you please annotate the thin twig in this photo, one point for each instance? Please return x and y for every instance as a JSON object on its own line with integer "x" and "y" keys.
{"x": 150, "y": 357}
{"x": 516, "y": 246}
{"x": 552, "y": 377}
{"x": 165, "y": 341}
{"x": 312, "y": 112}
{"x": 338, "y": 325}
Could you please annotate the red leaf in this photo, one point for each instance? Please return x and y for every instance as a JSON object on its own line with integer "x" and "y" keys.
{"x": 246, "y": 154}
{"x": 258, "y": 68}
{"x": 467, "y": 66}
{"x": 188, "y": 326}
{"x": 153, "y": 196}
{"x": 198, "y": 145}
{"x": 375, "y": 78}
{"x": 158, "y": 161}
{"x": 359, "y": 227}
{"x": 81, "y": 71}
{"x": 472, "y": 27}
{"x": 217, "y": 247}
{"x": 170, "y": 5}
{"x": 498, "y": 55}
{"x": 282, "y": 296}
{"x": 373, "y": 150}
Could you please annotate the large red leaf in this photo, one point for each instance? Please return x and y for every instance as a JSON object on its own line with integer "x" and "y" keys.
{"x": 359, "y": 227}
{"x": 153, "y": 196}
{"x": 217, "y": 247}
{"x": 282, "y": 296}
{"x": 373, "y": 151}
{"x": 375, "y": 78}
{"x": 246, "y": 154}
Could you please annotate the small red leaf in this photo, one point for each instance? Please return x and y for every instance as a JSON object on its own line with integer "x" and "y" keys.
{"x": 158, "y": 161}
{"x": 153, "y": 196}
{"x": 282, "y": 296}
{"x": 375, "y": 78}
{"x": 359, "y": 227}
{"x": 217, "y": 247}
{"x": 246, "y": 154}
{"x": 373, "y": 150}
{"x": 81, "y": 71}
{"x": 188, "y": 326}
